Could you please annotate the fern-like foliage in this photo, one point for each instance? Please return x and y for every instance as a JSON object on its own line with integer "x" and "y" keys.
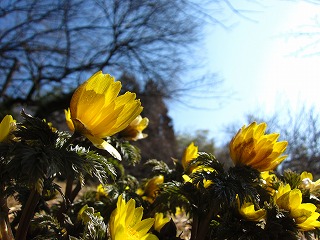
{"x": 95, "y": 228}
{"x": 232, "y": 227}
{"x": 130, "y": 154}
{"x": 159, "y": 168}
{"x": 36, "y": 131}
{"x": 96, "y": 165}
{"x": 170, "y": 197}
{"x": 206, "y": 160}
{"x": 280, "y": 225}
{"x": 46, "y": 227}
{"x": 291, "y": 178}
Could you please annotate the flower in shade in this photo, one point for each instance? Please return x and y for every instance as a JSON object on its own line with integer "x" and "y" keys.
{"x": 7, "y": 126}
{"x": 190, "y": 153}
{"x": 198, "y": 169}
{"x": 248, "y": 212}
{"x": 159, "y": 221}
{"x": 134, "y": 130}
{"x": 151, "y": 188}
{"x": 126, "y": 222}
{"x": 304, "y": 214}
{"x": 96, "y": 111}
{"x": 268, "y": 179}
{"x": 206, "y": 183}
{"x": 308, "y": 183}
{"x": 101, "y": 192}
{"x": 252, "y": 147}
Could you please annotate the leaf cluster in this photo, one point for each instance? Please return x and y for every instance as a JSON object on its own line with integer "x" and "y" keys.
{"x": 73, "y": 190}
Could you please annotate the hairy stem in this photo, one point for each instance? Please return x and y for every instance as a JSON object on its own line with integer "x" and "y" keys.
{"x": 75, "y": 191}
{"x": 204, "y": 225}
{"x": 195, "y": 224}
{"x": 5, "y": 228}
{"x": 27, "y": 214}
{"x": 201, "y": 222}
{"x": 68, "y": 189}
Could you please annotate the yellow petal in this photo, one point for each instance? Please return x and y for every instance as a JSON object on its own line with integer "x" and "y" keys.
{"x": 305, "y": 174}
{"x": 143, "y": 226}
{"x": 68, "y": 120}
{"x": 160, "y": 221}
{"x": 136, "y": 216}
{"x": 5, "y": 127}
{"x": 102, "y": 144}
{"x": 310, "y": 223}
{"x": 252, "y": 147}
{"x": 190, "y": 153}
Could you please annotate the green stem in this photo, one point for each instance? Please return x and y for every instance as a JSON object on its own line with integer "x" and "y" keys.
{"x": 75, "y": 192}
{"x": 67, "y": 197}
{"x": 68, "y": 190}
{"x": 5, "y": 228}
{"x": 69, "y": 193}
{"x": 27, "y": 214}
{"x": 201, "y": 222}
{"x": 204, "y": 225}
{"x": 195, "y": 224}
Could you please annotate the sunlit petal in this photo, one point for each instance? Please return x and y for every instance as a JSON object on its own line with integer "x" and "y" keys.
{"x": 7, "y": 125}
{"x": 126, "y": 222}
{"x": 96, "y": 111}
{"x": 252, "y": 147}
{"x": 102, "y": 144}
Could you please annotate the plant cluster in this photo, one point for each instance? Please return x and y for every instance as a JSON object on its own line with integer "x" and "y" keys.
{"x": 74, "y": 185}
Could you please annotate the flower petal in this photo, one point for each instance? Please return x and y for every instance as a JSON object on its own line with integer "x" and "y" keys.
{"x": 102, "y": 144}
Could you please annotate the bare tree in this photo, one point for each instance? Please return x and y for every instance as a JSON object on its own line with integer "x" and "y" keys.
{"x": 48, "y": 47}
{"x": 307, "y": 34}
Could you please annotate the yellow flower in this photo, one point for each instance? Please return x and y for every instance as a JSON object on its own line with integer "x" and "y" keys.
{"x": 7, "y": 126}
{"x": 135, "y": 128}
{"x": 96, "y": 111}
{"x": 267, "y": 180}
{"x": 305, "y": 175}
{"x": 206, "y": 183}
{"x": 101, "y": 192}
{"x": 160, "y": 221}
{"x": 307, "y": 183}
{"x": 151, "y": 188}
{"x": 190, "y": 153}
{"x": 249, "y": 213}
{"x": 252, "y": 147}
{"x": 304, "y": 214}
{"x": 126, "y": 222}
{"x": 306, "y": 180}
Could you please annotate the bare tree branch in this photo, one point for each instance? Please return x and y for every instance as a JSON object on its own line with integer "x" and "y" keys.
{"x": 59, "y": 42}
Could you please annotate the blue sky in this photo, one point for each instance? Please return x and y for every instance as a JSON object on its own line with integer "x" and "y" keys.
{"x": 262, "y": 64}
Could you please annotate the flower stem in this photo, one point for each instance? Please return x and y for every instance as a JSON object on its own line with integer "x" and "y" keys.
{"x": 75, "y": 191}
{"x": 68, "y": 189}
{"x": 69, "y": 192}
{"x": 195, "y": 224}
{"x": 201, "y": 223}
{"x": 27, "y": 214}
{"x": 204, "y": 225}
{"x": 5, "y": 228}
